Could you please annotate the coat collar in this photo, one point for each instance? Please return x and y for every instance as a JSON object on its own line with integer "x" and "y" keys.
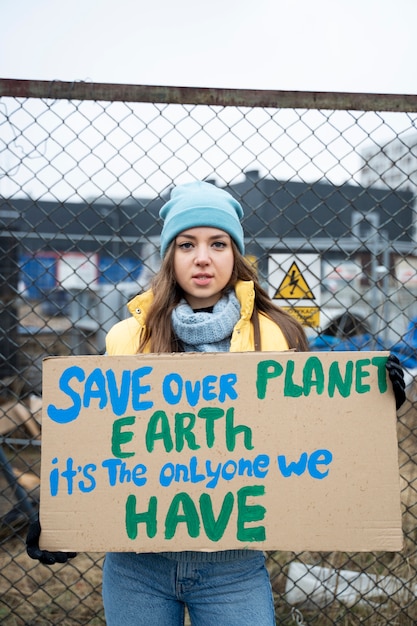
{"x": 245, "y": 293}
{"x": 140, "y": 305}
{"x": 244, "y": 289}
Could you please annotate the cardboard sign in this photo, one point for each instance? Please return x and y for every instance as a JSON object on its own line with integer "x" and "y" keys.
{"x": 273, "y": 450}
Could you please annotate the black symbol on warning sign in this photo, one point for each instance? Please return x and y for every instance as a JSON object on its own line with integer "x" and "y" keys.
{"x": 294, "y": 286}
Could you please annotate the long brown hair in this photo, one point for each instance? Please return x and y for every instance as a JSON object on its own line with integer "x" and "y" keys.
{"x": 167, "y": 294}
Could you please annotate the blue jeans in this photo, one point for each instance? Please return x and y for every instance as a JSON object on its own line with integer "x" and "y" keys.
{"x": 148, "y": 589}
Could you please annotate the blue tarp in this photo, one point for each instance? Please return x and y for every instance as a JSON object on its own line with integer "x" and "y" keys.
{"x": 348, "y": 332}
{"x": 337, "y": 344}
{"x": 405, "y": 349}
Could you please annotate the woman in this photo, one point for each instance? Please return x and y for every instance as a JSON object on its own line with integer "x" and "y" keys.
{"x": 203, "y": 268}
{"x": 205, "y": 298}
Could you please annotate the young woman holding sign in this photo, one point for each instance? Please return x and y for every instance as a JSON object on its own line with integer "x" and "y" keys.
{"x": 205, "y": 298}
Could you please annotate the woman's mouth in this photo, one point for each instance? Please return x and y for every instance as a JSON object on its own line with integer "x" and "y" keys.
{"x": 202, "y": 279}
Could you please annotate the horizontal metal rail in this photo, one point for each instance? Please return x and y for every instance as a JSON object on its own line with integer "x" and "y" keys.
{"x": 61, "y": 90}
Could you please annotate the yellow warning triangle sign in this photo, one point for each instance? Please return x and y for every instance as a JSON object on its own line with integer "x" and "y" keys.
{"x": 294, "y": 286}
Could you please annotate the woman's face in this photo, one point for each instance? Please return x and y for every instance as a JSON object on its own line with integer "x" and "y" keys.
{"x": 203, "y": 264}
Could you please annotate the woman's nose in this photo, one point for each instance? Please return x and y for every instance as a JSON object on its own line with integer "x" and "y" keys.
{"x": 202, "y": 256}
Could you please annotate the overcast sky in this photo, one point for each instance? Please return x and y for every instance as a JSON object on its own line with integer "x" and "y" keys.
{"x": 302, "y": 45}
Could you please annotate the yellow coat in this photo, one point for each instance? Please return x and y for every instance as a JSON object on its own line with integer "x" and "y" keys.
{"x": 124, "y": 337}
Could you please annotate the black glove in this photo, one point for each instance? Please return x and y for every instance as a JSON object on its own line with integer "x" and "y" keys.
{"x": 396, "y": 374}
{"x": 45, "y": 557}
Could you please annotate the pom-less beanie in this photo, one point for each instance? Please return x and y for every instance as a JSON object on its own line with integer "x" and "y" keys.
{"x": 201, "y": 204}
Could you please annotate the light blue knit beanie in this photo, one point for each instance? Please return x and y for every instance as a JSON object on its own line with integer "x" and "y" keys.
{"x": 201, "y": 204}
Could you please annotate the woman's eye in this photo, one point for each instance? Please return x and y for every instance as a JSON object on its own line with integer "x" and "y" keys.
{"x": 219, "y": 244}
{"x": 185, "y": 245}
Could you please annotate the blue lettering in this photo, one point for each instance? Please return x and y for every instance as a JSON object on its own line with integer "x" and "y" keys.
{"x": 54, "y": 478}
{"x": 306, "y": 462}
{"x": 119, "y": 473}
{"x": 138, "y": 390}
{"x": 195, "y": 476}
{"x": 138, "y": 475}
{"x": 293, "y": 467}
{"x": 64, "y": 416}
{"x": 213, "y": 474}
{"x": 166, "y": 475}
{"x": 227, "y": 382}
{"x": 87, "y": 473}
{"x": 261, "y": 465}
{"x": 118, "y": 399}
{"x": 211, "y": 387}
{"x": 229, "y": 474}
{"x": 193, "y": 393}
{"x": 111, "y": 465}
{"x": 69, "y": 474}
{"x": 208, "y": 388}
{"x": 95, "y": 387}
{"x": 319, "y": 457}
{"x": 168, "y": 393}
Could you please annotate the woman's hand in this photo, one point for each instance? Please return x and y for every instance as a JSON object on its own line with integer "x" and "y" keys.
{"x": 43, "y": 556}
{"x": 396, "y": 374}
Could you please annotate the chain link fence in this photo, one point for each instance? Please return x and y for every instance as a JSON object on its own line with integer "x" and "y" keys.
{"x": 326, "y": 179}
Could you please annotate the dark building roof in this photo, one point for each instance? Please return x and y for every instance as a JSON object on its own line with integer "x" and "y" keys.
{"x": 273, "y": 209}
{"x": 82, "y": 226}
{"x": 321, "y": 210}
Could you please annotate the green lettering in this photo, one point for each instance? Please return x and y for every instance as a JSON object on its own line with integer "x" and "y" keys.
{"x": 159, "y": 420}
{"x": 250, "y": 513}
{"x": 184, "y": 424}
{"x": 360, "y": 374}
{"x": 266, "y": 370}
{"x": 215, "y": 528}
{"x": 313, "y": 375}
{"x": 290, "y": 388}
{"x": 232, "y": 431}
{"x": 210, "y": 414}
{"x": 118, "y": 437}
{"x": 379, "y": 362}
{"x": 343, "y": 385}
{"x": 133, "y": 518}
{"x": 189, "y": 516}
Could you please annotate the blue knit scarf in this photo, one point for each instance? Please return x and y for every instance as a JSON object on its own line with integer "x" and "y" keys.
{"x": 207, "y": 332}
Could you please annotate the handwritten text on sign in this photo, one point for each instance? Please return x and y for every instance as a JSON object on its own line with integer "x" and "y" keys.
{"x": 194, "y": 447}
